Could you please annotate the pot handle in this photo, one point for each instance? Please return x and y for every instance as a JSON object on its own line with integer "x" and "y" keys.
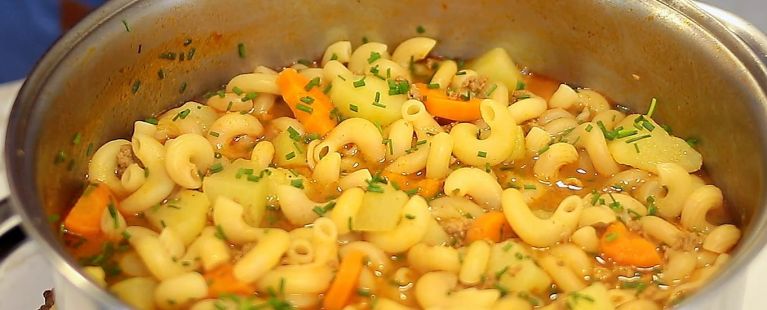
{"x": 752, "y": 36}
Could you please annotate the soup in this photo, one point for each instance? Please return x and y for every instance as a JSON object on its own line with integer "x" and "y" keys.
{"x": 370, "y": 180}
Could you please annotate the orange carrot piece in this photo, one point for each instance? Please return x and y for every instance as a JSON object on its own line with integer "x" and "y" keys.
{"x": 541, "y": 86}
{"x": 627, "y": 248}
{"x": 221, "y": 281}
{"x": 84, "y": 218}
{"x": 423, "y": 186}
{"x": 440, "y": 105}
{"x": 489, "y": 226}
{"x": 345, "y": 281}
{"x": 310, "y": 107}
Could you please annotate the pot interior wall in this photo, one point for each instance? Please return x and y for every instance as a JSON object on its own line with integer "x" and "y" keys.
{"x": 631, "y": 51}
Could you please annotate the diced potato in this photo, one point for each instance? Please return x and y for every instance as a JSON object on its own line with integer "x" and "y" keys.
{"x": 96, "y": 274}
{"x": 497, "y": 65}
{"x": 348, "y": 98}
{"x": 522, "y": 274}
{"x": 136, "y": 292}
{"x": 186, "y": 214}
{"x": 658, "y": 147}
{"x": 593, "y": 297}
{"x": 380, "y": 211}
{"x": 288, "y": 152}
{"x": 248, "y": 191}
{"x": 192, "y": 117}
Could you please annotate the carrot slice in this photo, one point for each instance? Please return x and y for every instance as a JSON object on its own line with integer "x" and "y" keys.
{"x": 489, "y": 226}
{"x": 309, "y": 104}
{"x": 423, "y": 186}
{"x": 541, "y": 86}
{"x": 221, "y": 281}
{"x": 627, "y": 248}
{"x": 345, "y": 281}
{"x": 84, "y": 218}
{"x": 440, "y": 105}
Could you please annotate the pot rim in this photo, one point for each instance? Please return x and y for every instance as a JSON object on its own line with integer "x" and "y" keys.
{"x": 746, "y": 42}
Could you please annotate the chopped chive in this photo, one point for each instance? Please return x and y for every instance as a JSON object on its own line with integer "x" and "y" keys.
{"x": 595, "y": 197}
{"x": 482, "y": 154}
{"x": 161, "y": 74}
{"x": 293, "y": 134}
{"x": 241, "y": 50}
{"x": 168, "y": 56}
{"x": 334, "y": 57}
{"x": 290, "y": 155}
{"x": 304, "y": 62}
{"x": 304, "y": 108}
{"x": 76, "y": 139}
{"x": 213, "y": 133}
{"x": 182, "y": 88}
{"x": 313, "y": 83}
{"x": 187, "y": 42}
{"x": 151, "y": 120}
{"x": 462, "y": 72}
{"x": 327, "y": 88}
{"x": 409, "y": 216}
{"x": 378, "y": 97}
{"x": 373, "y": 57}
{"x": 125, "y": 24}
{"x": 491, "y": 90}
{"x": 651, "y": 208}
{"x": 609, "y": 135}
{"x": 380, "y": 105}
{"x": 636, "y": 147}
{"x": 243, "y": 171}
{"x": 652, "y": 107}
{"x": 364, "y": 41}
{"x": 136, "y": 86}
{"x": 521, "y": 85}
{"x": 297, "y": 183}
{"x": 420, "y": 29}
{"x": 667, "y": 128}
{"x": 589, "y": 127}
{"x": 220, "y": 233}
{"x": 543, "y": 149}
{"x": 89, "y": 150}
{"x": 249, "y": 96}
{"x": 420, "y": 142}
{"x": 499, "y": 273}
{"x": 632, "y": 140}
{"x": 53, "y": 218}
{"x": 648, "y": 125}
{"x": 307, "y": 99}
{"x": 229, "y": 106}
{"x": 182, "y": 115}
{"x": 359, "y": 83}
{"x": 612, "y": 236}
{"x": 113, "y": 213}
{"x": 237, "y": 91}
{"x": 529, "y": 186}
{"x": 216, "y": 168}
{"x": 433, "y": 86}
{"x": 692, "y": 141}
{"x": 341, "y": 77}
{"x": 624, "y": 133}
{"x": 354, "y": 108}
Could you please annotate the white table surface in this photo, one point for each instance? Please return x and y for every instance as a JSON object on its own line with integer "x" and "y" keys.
{"x": 26, "y": 274}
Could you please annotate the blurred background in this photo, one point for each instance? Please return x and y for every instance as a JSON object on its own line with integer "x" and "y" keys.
{"x": 29, "y": 27}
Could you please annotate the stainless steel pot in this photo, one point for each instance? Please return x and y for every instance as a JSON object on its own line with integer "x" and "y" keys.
{"x": 710, "y": 81}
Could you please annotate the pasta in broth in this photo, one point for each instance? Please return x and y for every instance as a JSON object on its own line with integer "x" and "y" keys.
{"x": 391, "y": 179}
